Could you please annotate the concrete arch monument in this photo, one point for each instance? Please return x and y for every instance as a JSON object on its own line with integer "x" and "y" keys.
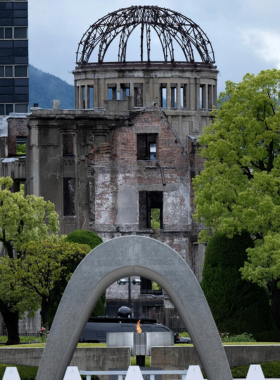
{"x": 123, "y": 257}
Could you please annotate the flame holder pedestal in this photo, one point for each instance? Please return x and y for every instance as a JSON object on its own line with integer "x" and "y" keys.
{"x": 140, "y": 344}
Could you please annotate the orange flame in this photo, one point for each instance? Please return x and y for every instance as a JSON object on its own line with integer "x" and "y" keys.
{"x": 138, "y": 328}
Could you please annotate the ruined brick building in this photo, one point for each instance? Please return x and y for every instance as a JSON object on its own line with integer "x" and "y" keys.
{"x": 130, "y": 146}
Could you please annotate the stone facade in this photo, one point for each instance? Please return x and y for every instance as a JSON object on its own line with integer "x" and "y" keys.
{"x": 89, "y": 163}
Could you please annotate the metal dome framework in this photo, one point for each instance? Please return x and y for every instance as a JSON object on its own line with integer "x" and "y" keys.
{"x": 169, "y": 26}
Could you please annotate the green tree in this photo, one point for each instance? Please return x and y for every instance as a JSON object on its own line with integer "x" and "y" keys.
{"x": 92, "y": 240}
{"x": 38, "y": 268}
{"x": 237, "y": 305}
{"x": 239, "y": 188}
{"x": 21, "y": 219}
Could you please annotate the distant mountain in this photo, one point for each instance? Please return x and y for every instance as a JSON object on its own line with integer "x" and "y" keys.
{"x": 44, "y": 88}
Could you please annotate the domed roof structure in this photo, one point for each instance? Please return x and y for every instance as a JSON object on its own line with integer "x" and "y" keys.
{"x": 169, "y": 26}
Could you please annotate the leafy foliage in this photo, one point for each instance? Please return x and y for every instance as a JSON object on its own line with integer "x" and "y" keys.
{"x": 238, "y": 190}
{"x": 155, "y": 218}
{"x": 84, "y": 237}
{"x": 237, "y": 305}
{"x": 43, "y": 88}
{"x": 23, "y": 218}
{"x": 36, "y": 271}
{"x": 92, "y": 240}
{"x": 21, "y": 149}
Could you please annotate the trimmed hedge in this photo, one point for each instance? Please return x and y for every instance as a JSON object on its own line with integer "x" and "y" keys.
{"x": 237, "y": 305}
{"x": 84, "y": 237}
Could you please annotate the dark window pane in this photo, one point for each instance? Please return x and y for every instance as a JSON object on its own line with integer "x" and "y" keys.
{"x": 20, "y": 33}
{"x": 8, "y": 71}
{"x": 1, "y": 109}
{"x": 20, "y": 71}
{"x": 21, "y": 108}
{"x": 1, "y": 33}
{"x": 142, "y": 147}
{"x": 69, "y": 196}
{"x": 8, "y": 33}
{"x": 9, "y": 108}
{"x": 1, "y": 71}
{"x": 68, "y": 145}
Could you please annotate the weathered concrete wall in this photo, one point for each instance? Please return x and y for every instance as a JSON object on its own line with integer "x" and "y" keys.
{"x": 92, "y": 358}
{"x": 101, "y": 359}
{"x": 182, "y": 357}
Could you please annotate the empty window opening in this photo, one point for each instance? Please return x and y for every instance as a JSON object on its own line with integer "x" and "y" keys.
{"x": 90, "y": 97}
{"x": 202, "y": 97}
{"x": 84, "y": 97}
{"x": 21, "y": 146}
{"x": 150, "y": 209}
{"x": 124, "y": 91}
{"x": 149, "y": 287}
{"x": 69, "y": 196}
{"x": 173, "y": 97}
{"x": 214, "y": 99}
{"x": 19, "y": 186}
{"x": 68, "y": 145}
{"x": 210, "y": 97}
{"x": 138, "y": 94}
{"x": 183, "y": 90}
{"x": 147, "y": 146}
{"x": 163, "y": 95}
{"x": 112, "y": 93}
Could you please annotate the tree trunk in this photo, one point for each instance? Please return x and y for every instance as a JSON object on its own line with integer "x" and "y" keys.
{"x": 11, "y": 322}
{"x": 275, "y": 304}
{"x": 45, "y": 312}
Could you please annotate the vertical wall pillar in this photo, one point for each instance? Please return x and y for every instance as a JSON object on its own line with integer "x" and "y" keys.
{"x": 192, "y": 95}
{"x": 131, "y": 93}
{"x": 197, "y": 93}
{"x": 95, "y": 94}
{"x": 118, "y": 91}
{"x": 168, "y": 96}
{"x": 76, "y": 95}
{"x": 81, "y": 97}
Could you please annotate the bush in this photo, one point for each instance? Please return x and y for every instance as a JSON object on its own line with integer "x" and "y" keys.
{"x": 237, "y": 338}
{"x": 84, "y": 237}
{"x": 237, "y": 305}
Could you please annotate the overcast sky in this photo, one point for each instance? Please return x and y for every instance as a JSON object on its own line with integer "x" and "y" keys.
{"x": 245, "y": 34}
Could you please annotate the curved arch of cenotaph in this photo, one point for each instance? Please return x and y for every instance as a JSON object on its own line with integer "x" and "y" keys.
{"x": 123, "y": 257}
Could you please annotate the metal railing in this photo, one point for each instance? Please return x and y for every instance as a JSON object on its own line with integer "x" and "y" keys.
{"x": 121, "y": 374}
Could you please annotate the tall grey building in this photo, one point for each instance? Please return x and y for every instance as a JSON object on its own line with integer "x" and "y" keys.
{"x": 14, "y": 82}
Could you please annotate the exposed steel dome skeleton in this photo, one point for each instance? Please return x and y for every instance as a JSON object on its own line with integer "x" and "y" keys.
{"x": 168, "y": 25}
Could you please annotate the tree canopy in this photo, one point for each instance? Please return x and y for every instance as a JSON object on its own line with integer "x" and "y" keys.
{"x": 24, "y": 218}
{"x": 40, "y": 266}
{"x": 239, "y": 188}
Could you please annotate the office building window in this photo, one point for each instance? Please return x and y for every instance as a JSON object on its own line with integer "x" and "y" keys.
{"x": 20, "y": 33}
{"x": 20, "y": 71}
{"x": 21, "y": 108}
